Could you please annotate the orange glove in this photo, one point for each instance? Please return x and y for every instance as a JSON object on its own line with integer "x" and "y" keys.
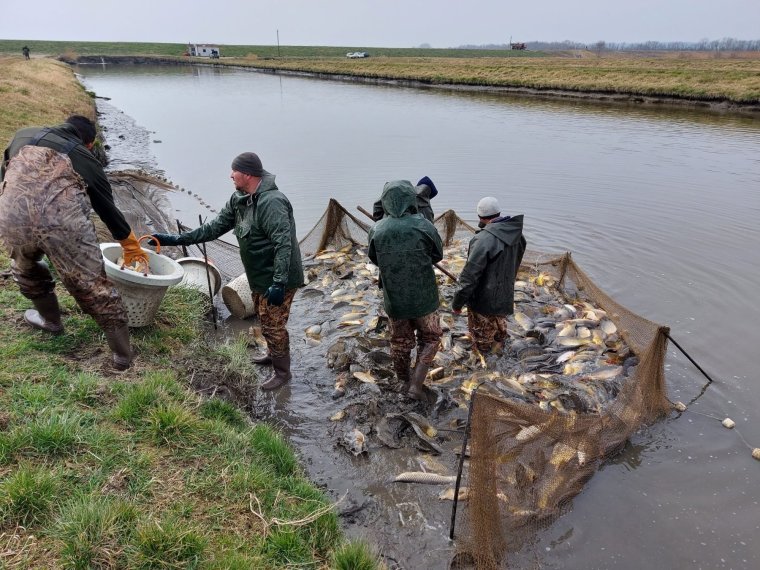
{"x": 133, "y": 253}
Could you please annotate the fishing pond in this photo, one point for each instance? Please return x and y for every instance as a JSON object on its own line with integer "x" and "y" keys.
{"x": 659, "y": 205}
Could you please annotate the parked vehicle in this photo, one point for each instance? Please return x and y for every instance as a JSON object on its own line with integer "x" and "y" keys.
{"x": 357, "y": 54}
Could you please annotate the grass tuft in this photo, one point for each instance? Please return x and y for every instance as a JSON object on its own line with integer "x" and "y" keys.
{"x": 168, "y": 544}
{"x": 27, "y": 495}
{"x": 172, "y": 424}
{"x": 95, "y": 532}
{"x": 216, "y": 409}
{"x": 355, "y": 555}
{"x": 274, "y": 449}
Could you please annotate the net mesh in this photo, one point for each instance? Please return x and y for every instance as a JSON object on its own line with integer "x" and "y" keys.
{"x": 525, "y": 463}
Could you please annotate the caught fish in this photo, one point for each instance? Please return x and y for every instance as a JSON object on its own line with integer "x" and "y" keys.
{"x": 425, "y": 478}
{"x": 336, "y": 417}
{"x": 350, "y": 323}
{"x": 352, "y": 316}
{"x": 354, "y": 441}
{"x": 314, "y": 331}
{"x": 605, "y": 373}
{"x": 340, "y": 386}
{"x": 524, "y": 321}
{"x": 608, "y": 327}
{"x": 365, "y": 377}
{"x": 448, "y": 494}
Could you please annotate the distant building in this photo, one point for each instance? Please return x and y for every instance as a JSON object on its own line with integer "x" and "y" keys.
{"x": 203, "y": 50}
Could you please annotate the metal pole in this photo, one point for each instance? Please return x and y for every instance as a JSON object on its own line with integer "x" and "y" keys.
{"x": 461, "y": 461}
{"x": 179, "y": 231}
{"x": 278, "y": 43}
{"x": 208, "y": 277}
{"x": 678, "y": 346}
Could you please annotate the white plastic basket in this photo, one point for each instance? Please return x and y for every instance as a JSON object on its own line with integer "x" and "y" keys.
{"x": 238, "y": 298}
{"x": 141, "y": 294}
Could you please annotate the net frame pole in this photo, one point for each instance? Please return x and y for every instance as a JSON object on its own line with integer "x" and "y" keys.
{"x": 686, "y": 354}
{"x": 461, "y": 461}
{"x": 208, "y": 277}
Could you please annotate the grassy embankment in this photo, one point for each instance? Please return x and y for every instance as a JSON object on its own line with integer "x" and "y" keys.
{"x": 685, "y": 76}
{"x": 137, "y": 470}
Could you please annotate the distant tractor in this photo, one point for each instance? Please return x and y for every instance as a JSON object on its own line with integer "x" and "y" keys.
{"x": 518, "y": 46}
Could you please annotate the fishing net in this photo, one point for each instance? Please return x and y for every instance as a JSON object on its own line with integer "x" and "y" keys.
{"x": 526, "y": 462}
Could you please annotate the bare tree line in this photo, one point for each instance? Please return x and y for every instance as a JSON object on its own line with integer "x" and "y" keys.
{"x": 724, "y": 44}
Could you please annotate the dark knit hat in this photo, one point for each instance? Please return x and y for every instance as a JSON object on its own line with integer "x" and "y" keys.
{"x": 248, "y": 163}
{"x": 84, "y": 126}
{"x": 429, "y": 183}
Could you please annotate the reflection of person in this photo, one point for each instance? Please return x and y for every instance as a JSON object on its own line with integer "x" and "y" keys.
{"x": 262, "y": 219}
{"x": 487, "y": 283}
{"x": 425, "y": 191}
{"x": 404, "y": 245}
{"x": 50, "y": 182}
{"x": 25, "y": 51}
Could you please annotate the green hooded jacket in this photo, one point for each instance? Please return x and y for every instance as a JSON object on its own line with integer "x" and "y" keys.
{"x": 404, "y": 245}
{"x": 266, "y": 232}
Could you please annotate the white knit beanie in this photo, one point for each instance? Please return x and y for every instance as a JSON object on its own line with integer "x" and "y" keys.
{"x": 488, "y": 207}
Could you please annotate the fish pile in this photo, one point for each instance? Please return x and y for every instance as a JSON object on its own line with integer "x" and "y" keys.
{"x": 565, "y": 356}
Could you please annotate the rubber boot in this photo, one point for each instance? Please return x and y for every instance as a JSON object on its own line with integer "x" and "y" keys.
{"x": 402, "y": 370}
{"x": 265, "y": 360}
{"x": 417, "y": 385}
{"x": 280, "y": 375}
{"x": 118, "y": 342}
{"x": 46, "y": 315}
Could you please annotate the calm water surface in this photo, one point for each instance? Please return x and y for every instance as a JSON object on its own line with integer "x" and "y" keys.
{"x": 659, "y": 206}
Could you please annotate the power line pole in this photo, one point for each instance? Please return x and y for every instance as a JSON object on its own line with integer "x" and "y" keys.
{"x": 278, "y": 43}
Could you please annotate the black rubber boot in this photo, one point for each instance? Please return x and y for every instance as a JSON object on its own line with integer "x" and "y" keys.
{"x": 118, "y": 342}
{"x": 417, "y": 385}
{"x": 265, "y": 360}
{"x": 401, "y": 366}
{"x": 280, "y": 375}
{"x": 46, "y": 316}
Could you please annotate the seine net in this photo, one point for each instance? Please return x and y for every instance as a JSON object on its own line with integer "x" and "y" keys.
{"x": 526, "y": 462}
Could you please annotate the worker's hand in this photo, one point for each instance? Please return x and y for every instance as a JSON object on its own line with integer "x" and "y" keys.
{"x": 133, "y": 253}
{"x": 166, "y": 239}
{"x": 275, "y": 295}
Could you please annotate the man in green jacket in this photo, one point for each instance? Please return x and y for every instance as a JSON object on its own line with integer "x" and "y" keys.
{"x": 262, "y": 219}
{"x": 50, "y": 181}
{"x": 404, "y": 245}
{"x": 425, "y": 191}
{"x": 487, "y": 283}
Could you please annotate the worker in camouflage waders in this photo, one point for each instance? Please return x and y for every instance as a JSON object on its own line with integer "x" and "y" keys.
{"x": 404, "y": 245}
{"x": 487, "y": 282}
{"x": 50, "y": 182}
{"x": 262, "y": 219}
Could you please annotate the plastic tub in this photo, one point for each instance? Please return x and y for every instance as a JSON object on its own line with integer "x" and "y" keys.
{"x": 196, "y": 277}
{"x": 141, "y": 294}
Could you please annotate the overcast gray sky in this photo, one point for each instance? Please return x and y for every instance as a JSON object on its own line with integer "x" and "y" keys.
{"x": 379, "y": 23}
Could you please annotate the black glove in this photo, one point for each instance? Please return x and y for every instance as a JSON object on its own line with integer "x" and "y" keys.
{"x": 167, "y": 239}
{"x": 275, "y": 295}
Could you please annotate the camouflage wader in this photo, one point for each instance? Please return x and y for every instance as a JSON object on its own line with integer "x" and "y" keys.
{"x": 44, "y": 210}
{"x": 428, "y": 329}
{"x": 274, "y": 322}
{"x": 486, "y": 330}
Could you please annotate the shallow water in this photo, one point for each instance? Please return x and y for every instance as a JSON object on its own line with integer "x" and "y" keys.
{"x": 658, "y": 205}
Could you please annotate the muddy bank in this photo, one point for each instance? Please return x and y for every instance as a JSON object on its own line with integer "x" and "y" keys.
{"x": 601, "y": 96}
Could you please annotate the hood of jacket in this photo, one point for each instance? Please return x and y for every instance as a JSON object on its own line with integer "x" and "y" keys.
{"x": 399, "y": 198}
{"x": 506, "y": 229}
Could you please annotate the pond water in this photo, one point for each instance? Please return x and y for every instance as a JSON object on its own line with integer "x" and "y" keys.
{"x": 658, "y": 205}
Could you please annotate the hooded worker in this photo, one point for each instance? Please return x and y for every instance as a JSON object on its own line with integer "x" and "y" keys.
{"x": 404, "y": 245}
{"x": 487, "y": 282}
{"x": 51, "y": 181}
{"x": 425, "y": 191}
{"x": 262, "y": 219}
